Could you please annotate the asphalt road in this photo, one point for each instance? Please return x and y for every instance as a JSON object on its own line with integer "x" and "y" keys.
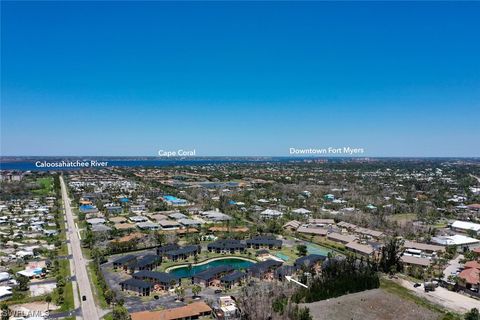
{"x": 478, "y": 178}
{"x": 88, "y": 307}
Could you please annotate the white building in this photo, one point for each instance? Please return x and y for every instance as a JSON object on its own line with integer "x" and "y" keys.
{"x": 465, "y": 226}
{"x": 462, "y": 242}
{"x": 271, "y": 213}
{"x": 302, "y": 211}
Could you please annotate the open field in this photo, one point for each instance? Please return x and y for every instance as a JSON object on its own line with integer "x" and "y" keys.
{"x": 46, "y": 186}
{"x": 376, "y": 304}
{"x": 402, "y": 218}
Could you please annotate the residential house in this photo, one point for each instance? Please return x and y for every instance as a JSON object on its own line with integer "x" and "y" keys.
{"x": 137, "y": 287}
{"x": 227, "y": 246}
{"x": 265, "y": 241}
{"x": 193, "y": 310}
{"x": 161, "y": 280}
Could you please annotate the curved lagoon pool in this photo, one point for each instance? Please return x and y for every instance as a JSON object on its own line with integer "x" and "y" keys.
{"x": 188, "y": 272}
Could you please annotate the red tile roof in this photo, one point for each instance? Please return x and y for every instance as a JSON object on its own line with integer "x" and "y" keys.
{"x": 472, "y": 264}
{"x": 470, "y": 275}
{"x": 191, "y": 310}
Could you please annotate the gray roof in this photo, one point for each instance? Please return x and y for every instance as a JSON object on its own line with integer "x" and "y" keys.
{"x": 177, "y": 216}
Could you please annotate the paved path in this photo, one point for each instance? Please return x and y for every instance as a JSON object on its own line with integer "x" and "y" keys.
{"x": 78, "y": 263}
{"x": 452, "y": 267}
{"x": 63, "y": 314}
{"x": 478, "y": 178}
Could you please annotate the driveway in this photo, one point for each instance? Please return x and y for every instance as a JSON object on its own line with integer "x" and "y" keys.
{"x": 452, "y": 267}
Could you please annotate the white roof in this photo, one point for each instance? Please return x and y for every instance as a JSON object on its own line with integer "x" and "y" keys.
{"x": 4, "y": 276}
{"x": 147, "y": 225}
{"x": 215, "y": 215}
{"x": 302, "y": 211}
{"x": 5, "y": 291}
{"x": 271, "y": 212}
{"x": 454, "y": 240}
{"x": 189, "y": 221}
{"x": 96, "y": 221}
{"x": 465, "y": 225}
{"x": 138, "y": 218}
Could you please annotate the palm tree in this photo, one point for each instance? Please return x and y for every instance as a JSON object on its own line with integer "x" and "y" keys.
{"x": 180, "y": 292}
{"x": 48, "y": 299}
{"x": 196, "y": 290}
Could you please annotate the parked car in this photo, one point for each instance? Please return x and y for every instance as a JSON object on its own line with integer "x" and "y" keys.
{"x": 218, "y": 291}
{"x": 416, "y": 285}
{"x": 429, "y": 286}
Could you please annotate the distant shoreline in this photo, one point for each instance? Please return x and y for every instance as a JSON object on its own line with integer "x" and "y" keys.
{"x": 29, "y": 163}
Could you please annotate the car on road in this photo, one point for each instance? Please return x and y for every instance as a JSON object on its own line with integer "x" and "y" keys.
{"x": 217, "y": 291}
{"x": 416, "y": 285}
{"x": 84, "y": 298}
{"x": 429, "y": 286}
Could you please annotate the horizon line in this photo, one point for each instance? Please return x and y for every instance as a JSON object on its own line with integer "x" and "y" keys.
{"x": 234, "y": 156}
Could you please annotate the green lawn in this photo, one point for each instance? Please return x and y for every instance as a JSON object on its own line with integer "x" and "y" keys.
{"x": 68, "y": 296}
{"x": 291, "y": 253}
{"x": 108, "y": 316}
{"x": 324, "y": 242}
{"x": 403, "y": 217}
{"x": 63, "y": 251}
{"x": 20, "y": 297}
{"x": 67, "y": 304}
{"x": 46, "y": 186}
{"x": 97, "y": 290}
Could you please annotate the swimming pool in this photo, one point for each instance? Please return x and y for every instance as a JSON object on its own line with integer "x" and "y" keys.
{"x": 174, "y": 200}
{"x": 188, "y": 272}
{"x": 314, "y": 249}
{"x": 281, "y": 256}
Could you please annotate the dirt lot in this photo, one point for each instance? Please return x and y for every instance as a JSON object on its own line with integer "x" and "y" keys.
{"x": 441, "y": 296}
{"x": 374, "y": 304}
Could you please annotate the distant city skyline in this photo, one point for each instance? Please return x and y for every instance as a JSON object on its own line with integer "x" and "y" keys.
{"x": 240, "y": 79}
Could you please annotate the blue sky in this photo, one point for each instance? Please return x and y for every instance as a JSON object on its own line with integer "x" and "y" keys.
{"x": 121, "y": 78}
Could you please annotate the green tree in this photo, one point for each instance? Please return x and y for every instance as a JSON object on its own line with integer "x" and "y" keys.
{"x": 48, "y": 300}
{"x": 180, "y": 292}
{"x": 109, "y": 296}
{"x": 279, "y": 304}
{"x": 89, "y": 239}
{"x": 196, "y": 290}
{"x": 473, "y": 314}
{"x": 390, "y": 260}
{"x": 301, "y": 314}
{"x": 23, "y": 283}
{"x": 160, "y": 238}
{"x": 302, "y": 250}
{"x": 120, "y": 313}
